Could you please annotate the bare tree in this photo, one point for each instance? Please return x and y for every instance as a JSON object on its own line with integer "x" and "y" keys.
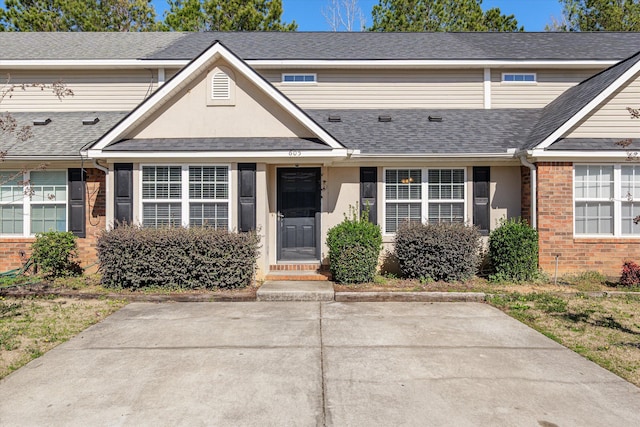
{"x": 344, "y": 15}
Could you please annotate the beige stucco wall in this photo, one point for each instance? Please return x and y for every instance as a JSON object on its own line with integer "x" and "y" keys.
{"x": 384, "y": 88}
{"x": 187, "y": 115}
{"x": 505, "y": 191}
{"x": 550, "y": 84}
{"x": 611, "y": 119}
{"x": 93, "y": 90}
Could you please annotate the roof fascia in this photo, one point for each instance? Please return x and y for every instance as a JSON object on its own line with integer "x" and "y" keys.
{"x": 591, "y": 106}
{"x": 215, "y": 51}
{"x": 301, "y": 155}
{"x": 507, "y": 155}
{"x": 295, "y": 63}
{"x": 567, "y": 155}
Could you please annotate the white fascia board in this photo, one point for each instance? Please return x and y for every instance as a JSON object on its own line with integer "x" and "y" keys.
{"x": 436, "y": 156}
{"x": 293, "y": 155}
{"x": 56, "y": 64}
{"x": 566, "y": 155}
{"x": 294, "y": 63}
{"x": 424, "y": 63}
{"x": 592, "y": 105}
{"x": 187, "y": 74}
{"x": 40, "y": 158}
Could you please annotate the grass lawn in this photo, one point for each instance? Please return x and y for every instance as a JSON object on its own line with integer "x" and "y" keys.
{"x": 30, "y": 327}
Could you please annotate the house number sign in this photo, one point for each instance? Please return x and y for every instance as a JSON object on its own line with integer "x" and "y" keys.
{"x": 295, "y": 153}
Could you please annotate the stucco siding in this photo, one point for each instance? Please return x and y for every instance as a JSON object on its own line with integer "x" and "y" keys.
{"x": 550, "y": 84}
{"x": 384, "y": 88}
{"x": 93, "y": 90}
{"x": 189, "y": 114}
{"x": 611, "y": 119}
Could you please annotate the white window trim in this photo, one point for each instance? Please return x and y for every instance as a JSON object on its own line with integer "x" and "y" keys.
{"x": 535, "y": 78}
{"x": 424, "y": 199}
{"x": 185, "y": 200}
{"x": 27, "y": 202}
{"x": 314, "y": 75}
{"x": 617, "y": 200}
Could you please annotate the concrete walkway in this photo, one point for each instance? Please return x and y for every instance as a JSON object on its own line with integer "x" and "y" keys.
{"x": 314, "y": 364}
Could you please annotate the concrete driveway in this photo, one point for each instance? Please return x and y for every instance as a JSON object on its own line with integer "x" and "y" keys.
{"x": 309, "y": 364}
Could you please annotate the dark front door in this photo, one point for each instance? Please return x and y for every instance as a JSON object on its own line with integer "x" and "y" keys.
{"x": 298, "y": 214}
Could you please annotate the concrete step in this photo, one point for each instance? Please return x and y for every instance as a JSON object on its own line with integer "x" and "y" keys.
{"x": 298, "y": 275}
{"x": 309, "y": 290}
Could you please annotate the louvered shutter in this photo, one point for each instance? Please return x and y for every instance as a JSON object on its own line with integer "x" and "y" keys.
{"x": 77, "y": 224}
{"x": 246, "y": 196}
{"x": 123, "y": 212}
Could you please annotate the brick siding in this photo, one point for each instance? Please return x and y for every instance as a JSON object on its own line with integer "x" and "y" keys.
{"x": 555, "y": 226}
{"x": 15, "y": 251}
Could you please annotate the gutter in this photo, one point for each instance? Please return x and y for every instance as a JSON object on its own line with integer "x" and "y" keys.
{"x": 534, "y": 189}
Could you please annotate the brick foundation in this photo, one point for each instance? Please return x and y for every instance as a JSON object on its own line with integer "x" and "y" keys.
{"x": 15, "y": 251}
{"x": 555, "y": 226}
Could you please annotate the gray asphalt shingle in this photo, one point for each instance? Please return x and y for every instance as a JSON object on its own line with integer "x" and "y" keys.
{"x": 217, "y": 144}
{"x": 322, "y": 45}
{"x": 462, "y": 131}
{"x": 65, "y": 135}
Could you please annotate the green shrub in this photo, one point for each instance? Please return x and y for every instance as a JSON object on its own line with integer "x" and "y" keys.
{"x": 55, "y": 254}
{"x": 354, "y": 248}
{"x": 183, "y": 258}
{"x": 441, "y": 251}
{"x": 513, "y": 251}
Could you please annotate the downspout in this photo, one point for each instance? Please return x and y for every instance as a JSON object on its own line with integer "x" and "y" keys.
{"x": 534, "y": 188}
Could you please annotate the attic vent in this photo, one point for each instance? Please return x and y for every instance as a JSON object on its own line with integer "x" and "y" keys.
{"x": 220, "y": 86}
{"x": 435, "y": 118}
{"x": 90, "y": 120}
{"x": 335, "y": 119}
{"x": 384, "y": 118}
{"x": 41, "y": 121}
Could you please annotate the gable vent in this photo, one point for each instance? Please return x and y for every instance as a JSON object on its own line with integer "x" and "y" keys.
{"x": 220, "y": 86}
{"x": 384, "y": 118}
{"x": 41, "y": 121}
{"x": 335, "y": 119}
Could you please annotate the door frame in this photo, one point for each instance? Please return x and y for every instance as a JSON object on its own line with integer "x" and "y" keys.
{"x": 318, "y": 215}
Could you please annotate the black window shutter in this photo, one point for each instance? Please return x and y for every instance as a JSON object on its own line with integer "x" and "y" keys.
{"x": 481, "y": 207}
{"x": 369, "y": 192}
{"x": 246, "y": 196}
{"x": 123, "y": 197}
{"x": 77, "y": 224}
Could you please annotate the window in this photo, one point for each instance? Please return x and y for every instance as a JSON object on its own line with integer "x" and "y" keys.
{"x": 38, "y": 206}
{"x": 185, "y": 195}
{"x": 519, "y": 77}
{"x": 607, "y": 199}
{"x": 435, "y": 195}
{"x": 299, "y": 78}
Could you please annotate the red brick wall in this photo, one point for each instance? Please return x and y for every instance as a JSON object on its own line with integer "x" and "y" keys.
{"x": 14, "y": 251}
{"x": 555, "y": 226}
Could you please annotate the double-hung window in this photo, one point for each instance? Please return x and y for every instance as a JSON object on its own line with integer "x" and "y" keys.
{"x": 607, "y": 200}
{"x": 185, "y": 195}
{"x": 433, "y": 195}
{"x": 33, "y": 202}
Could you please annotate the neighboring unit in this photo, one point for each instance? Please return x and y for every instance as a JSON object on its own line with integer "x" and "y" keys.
{"x": 283, "y": 132}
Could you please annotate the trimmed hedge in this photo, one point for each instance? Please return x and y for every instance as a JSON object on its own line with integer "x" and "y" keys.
{"x": 354, "y": 248}
{"x": 513, "y": 251}
{"x": 186, "y": 258}
{"x": 441, "y": 251}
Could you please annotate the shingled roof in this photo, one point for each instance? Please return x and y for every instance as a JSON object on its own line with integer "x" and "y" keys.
{"x": 321, "y": 45}
{"x": 567, "y": 105}
{"x": 63, "y": 136}
{"x": 409, "y": 131}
